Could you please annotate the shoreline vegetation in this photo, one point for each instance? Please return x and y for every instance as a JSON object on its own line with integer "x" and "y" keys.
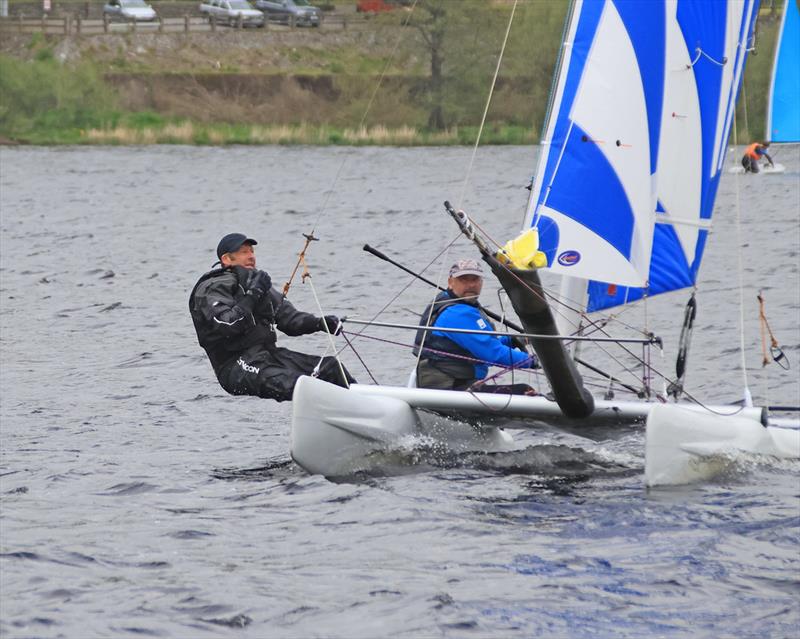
{"x": 187, "y": 132}
{"x": 380, "y": 85}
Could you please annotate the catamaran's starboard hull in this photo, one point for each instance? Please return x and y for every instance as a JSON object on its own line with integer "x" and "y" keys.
{"x": 685, "y": 446}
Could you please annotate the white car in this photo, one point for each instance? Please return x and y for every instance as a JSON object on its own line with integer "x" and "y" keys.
{"x": 230, "y": 11}
{"x": 130, "y": 10}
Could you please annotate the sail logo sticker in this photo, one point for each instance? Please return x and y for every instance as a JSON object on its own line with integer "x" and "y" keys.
{"x": 569, "y": 258}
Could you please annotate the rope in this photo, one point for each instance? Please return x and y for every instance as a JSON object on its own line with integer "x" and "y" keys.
{"x": 778, "y": 356}
{"x": 360, "y": 359}
{"x": 546, "y": 295}
{"x": 701, "y": 53}
{"x": 486, "y": 107}
{"x": 307, "y": 275}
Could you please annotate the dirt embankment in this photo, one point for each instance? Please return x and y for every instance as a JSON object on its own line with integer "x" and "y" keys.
{"x": 273, "y": 77}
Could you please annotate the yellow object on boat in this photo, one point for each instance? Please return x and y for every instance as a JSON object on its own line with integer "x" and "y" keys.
{"x": 523, "y": 251}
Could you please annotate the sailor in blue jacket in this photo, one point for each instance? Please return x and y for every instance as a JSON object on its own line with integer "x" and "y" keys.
{"x": 448, "y": 359}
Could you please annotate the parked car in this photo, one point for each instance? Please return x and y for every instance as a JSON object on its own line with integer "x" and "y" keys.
{"x": 305, "y": 15}
{"x": 132, "y": 10}
{"x": 230, "y": 11}
{"x": 373, "y": 6}
{"x": 379, "y": 6}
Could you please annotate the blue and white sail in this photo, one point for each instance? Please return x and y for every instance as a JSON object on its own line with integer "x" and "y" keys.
{"x": 783, "y": 111}
{"x": 633, "y": 148}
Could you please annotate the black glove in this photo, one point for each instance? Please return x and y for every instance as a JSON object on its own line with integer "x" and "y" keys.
{"x": 519, "y": 342}
{"x": 258, "y": 283}
{"x": 334, "y": 324}
{"x": 242, "y": 275}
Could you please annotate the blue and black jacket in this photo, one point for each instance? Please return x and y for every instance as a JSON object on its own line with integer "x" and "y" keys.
{"x": 448, "y": 311}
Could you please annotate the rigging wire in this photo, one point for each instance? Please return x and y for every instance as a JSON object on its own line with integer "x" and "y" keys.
{"x": 331, "y": 343}
{"x": 661, "y": 399}
{"x": 486, "y": 107}
{"x": 367, "y": 109}
{"x": 469, "y": 230}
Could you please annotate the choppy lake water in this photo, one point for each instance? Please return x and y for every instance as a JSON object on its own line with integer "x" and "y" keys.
{"x": 138, "y": 499}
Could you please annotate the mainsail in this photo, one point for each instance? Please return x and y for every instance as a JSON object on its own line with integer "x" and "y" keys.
{"x": 634, "y": 146}
{"x": 783, "y": 111}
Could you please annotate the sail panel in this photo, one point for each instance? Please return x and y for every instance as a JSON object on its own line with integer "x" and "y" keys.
{"x": 783, "y": 113}
{"x": 583, "y": 25}
{"x": 603, "y": 240}
{"x": 597, "y": 170}
{"x": 668, "y": 267}
{"x": 681, "y": 151}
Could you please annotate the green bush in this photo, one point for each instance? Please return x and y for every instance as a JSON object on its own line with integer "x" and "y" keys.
{"x": 43, "y": 95}
{"x": 144, "y": 119}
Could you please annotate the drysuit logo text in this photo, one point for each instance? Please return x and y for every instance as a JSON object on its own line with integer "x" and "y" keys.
{"x": 247, "y": 367}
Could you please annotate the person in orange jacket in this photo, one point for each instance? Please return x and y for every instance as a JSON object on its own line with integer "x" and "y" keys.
{"x": 752, "y": 154}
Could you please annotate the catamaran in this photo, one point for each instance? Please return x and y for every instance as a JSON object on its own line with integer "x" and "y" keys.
{"x": 620, "y": 207}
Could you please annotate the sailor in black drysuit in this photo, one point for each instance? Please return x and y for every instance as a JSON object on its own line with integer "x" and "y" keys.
{"x": 235, "y": 312}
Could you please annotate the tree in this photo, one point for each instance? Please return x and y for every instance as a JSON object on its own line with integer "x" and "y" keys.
{"x": 463, "y": 39}
{"x": 430, "y": 21}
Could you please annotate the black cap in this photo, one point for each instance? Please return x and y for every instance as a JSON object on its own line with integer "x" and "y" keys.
{"x": 232, "y": 242}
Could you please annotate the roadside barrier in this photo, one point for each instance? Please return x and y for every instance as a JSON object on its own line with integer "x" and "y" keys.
{"x": 76, "y": 24}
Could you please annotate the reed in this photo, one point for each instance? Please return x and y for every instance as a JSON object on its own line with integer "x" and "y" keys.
{"x": 186, "y": 132}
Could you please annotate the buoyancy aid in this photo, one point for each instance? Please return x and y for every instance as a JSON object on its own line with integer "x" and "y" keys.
{"x": 223, "y": 338}
{"x": 437, "y": 347}
{"x": 750, "y": 151}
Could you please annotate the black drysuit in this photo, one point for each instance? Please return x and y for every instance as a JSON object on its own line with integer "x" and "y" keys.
{"x": 238, "y": 334}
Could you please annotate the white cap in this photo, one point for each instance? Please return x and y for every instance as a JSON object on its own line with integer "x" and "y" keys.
{"x": 466, "y": 267}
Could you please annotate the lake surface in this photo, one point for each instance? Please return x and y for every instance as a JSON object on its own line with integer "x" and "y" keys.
{"x": 138, "y": 499}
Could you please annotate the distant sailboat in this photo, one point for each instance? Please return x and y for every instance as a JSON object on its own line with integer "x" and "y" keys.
{"x": 783, "y": 111}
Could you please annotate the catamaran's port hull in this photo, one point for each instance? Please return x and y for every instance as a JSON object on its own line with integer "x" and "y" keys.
{"x": 336, "y": 430}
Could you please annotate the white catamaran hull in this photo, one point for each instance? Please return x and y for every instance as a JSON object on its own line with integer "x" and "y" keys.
{"x": 686, "y": 446}
{"x": 335, "y": 430}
